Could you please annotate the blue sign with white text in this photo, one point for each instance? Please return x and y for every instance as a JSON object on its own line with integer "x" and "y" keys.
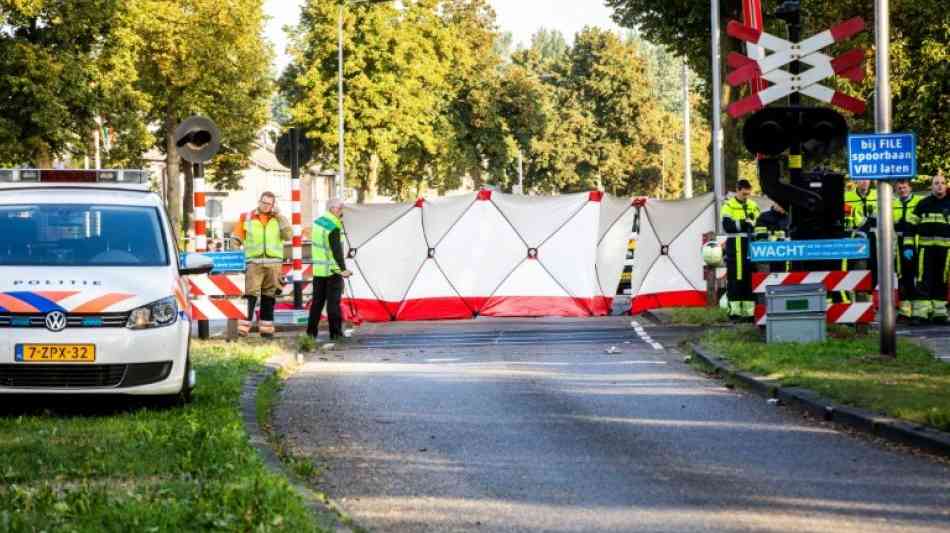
{"x": 815, "y": 250}
{"x": 224, "y": 261}
{"x": 882, "y": 156}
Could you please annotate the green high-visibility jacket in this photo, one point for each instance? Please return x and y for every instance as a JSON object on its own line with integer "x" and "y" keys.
{"x": 903, "y": 209}
{"x": 321, "y": 252}
{"x": 262, "y": 241}
{"x": 862, "y": 207}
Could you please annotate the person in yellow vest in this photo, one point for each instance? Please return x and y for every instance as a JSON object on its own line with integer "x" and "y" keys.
{"x": 263, "y": 232}
{"x": 862, "y": 199}
{"x": 329, "y": 269}
{"x": 739, "y": 214}
{"x": 905, "y": 201}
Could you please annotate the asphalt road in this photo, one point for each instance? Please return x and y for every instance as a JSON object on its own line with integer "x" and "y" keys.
{"x": 530, "y": 426}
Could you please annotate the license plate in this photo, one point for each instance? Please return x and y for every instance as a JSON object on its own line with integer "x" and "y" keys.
{"x": 56, "y": 353}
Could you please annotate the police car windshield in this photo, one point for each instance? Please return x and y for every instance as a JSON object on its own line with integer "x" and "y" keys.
{"x": 81, "y": 235}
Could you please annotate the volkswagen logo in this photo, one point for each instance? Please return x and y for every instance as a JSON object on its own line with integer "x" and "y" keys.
{"x": 56, "y": 321}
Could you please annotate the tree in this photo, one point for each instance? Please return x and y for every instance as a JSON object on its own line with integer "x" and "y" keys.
{"x": 65, "y": 71}
{"x": 920, "y": 61}
{"x": 401, "y": 73}
{"x": 204, "y": 57}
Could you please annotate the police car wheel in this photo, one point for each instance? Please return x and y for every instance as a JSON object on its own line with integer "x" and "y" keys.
{"x": 183, "y": 396}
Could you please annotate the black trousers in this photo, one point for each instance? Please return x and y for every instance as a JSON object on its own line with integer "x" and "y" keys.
{"x": 326, "y": 291}
{"x": 933, "y": 284}
{"x": 738, "y": 271}
{"x": 907, "y": 281}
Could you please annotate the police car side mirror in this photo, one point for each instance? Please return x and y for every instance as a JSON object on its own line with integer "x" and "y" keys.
{"x": 193, "y": 264}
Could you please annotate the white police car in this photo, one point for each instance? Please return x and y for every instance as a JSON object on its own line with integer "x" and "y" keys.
{"x": 92, "y": 298}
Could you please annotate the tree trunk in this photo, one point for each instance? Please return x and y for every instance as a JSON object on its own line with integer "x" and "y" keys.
{"x": 373, "y": 181}
{"x": 173, "y": 200}
{"x": 188, "y": 202}
{"x": 43, "y": 157}
{"x": 477, "y": 179}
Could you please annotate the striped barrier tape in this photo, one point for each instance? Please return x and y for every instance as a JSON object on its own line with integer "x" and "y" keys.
{"x": 835, "y": 280}
{"x": 218, "y": 309}
{"x": 854, "y": 313}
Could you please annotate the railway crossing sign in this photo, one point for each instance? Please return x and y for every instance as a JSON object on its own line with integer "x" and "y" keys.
{"x": 848, "y": 65}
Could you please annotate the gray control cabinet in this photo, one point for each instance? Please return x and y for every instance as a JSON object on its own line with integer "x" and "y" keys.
{"x": 795, "y": 313}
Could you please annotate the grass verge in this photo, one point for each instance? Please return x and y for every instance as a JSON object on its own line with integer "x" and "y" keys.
{"x": 113, "y": 465}
{"x": 698, "y": 316}
{"x": 847, "y": 368}
{"x": 301, "y": 467}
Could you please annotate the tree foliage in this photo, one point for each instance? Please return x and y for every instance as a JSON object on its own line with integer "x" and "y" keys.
{"x": 204, "y": 57}
{"x": 60, "y": 73}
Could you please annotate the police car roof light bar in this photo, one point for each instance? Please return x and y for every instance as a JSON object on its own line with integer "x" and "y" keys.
{"x": 33, "y": 175}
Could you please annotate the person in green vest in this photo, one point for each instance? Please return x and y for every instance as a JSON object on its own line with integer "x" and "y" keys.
{"x": 263, "y": 232}
{"x": 329, "y": 269}
{"x": 905, "y": 201}
{"x": 739, "y": 214}
{"x": 862, "y": 201}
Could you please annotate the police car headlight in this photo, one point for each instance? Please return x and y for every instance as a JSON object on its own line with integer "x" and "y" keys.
{"x": 154, "y": 315}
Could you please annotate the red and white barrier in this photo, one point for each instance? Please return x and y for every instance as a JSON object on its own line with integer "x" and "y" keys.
{"x": 218, "y": 309}
{"x": 839, "y": 313}
{"x": 853, "y": 313}
{"x": 855, "y": 280}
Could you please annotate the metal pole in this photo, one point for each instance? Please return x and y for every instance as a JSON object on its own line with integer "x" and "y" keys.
{"x": 520, "y": 173}
{"x": 341, "y": 173}
{"x": 885, "y": 222}
{"x": 687, "y": 136}
{"x": 719, "y": 184}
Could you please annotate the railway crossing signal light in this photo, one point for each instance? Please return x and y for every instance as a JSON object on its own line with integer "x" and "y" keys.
{"x": 773, "y": 130}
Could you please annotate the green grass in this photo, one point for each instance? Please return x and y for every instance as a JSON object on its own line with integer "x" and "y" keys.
{"x": 698, "y": 316}
{"x": 105, "y": 468}
{"x": 848, "y": 369}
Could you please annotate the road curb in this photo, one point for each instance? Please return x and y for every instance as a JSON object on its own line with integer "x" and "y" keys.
{"x": 258, "y": 439}
{"x": 891, "y": 429}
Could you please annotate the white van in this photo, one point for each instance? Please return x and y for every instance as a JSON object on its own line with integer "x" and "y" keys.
{"x": 92, "y": 298}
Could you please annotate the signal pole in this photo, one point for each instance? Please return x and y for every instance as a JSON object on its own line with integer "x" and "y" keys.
{"x": 885, "y": 222}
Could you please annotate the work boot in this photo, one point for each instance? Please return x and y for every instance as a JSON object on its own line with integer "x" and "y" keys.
{"x": 905, "y": 311}
{"x": 922, "y": 309}
{"x": 735, "y": 311}
{"x": 748, "y": 311}
{"x": 266, "y": 327}
{"x": 244, "y": 328}
{"x": 940, "y": 312}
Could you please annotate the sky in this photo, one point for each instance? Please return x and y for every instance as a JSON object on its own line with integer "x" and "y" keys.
{"x": 520, "y": 17}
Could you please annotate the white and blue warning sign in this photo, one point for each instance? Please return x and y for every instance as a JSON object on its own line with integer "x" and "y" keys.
{"x": 882, "y": 156}
{"x": 812, "y": 250}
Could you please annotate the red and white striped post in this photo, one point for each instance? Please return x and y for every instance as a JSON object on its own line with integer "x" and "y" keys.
{"x": 201, "y": 241}
{"x": 296, "y": 244}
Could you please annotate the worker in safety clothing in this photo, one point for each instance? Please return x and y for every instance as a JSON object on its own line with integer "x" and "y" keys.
{"x": 329, "y": 269}
{"x": 772, "y": 225}
{"x": 739, "y": 214}
{"x": 263, "y": 232}
{"x": 905, "y": 201}
{"x": 932, "y": 235}
{"x": 862, "y": 200}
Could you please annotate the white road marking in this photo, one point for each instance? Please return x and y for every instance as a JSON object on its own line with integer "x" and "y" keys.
{"x": 644, "y": 335}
